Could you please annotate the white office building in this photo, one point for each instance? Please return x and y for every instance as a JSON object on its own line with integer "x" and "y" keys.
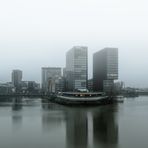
{"x": 77, "y": 68}
{"x": 49, "y": 77}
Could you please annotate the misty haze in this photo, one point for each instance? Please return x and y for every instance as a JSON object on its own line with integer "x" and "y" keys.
{"x": 41, "y": 32}
{"x": 73, "y": 74}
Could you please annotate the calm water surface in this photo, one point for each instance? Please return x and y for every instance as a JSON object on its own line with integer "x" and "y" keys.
{"x": 34, "y": 123}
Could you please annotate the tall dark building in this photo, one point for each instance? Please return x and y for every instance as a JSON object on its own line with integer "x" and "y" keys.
{"x": 105, "y": 69}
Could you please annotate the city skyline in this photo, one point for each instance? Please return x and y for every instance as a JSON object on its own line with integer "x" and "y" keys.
{"x": 73, "y": 73}
{"x": 5, "y": 77}
{"x": 37, "y": 34}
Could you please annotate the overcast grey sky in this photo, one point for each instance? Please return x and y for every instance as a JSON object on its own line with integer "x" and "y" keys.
{"x": 36, "y": 33}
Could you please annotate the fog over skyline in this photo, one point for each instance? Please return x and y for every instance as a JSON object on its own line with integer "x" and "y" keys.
{"x": 35, "y": 33}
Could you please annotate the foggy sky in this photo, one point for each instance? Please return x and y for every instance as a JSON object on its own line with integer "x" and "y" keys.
{"x": 37, "y": 33}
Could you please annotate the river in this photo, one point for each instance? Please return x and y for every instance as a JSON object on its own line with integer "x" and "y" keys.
{"x": 36, "y": 123}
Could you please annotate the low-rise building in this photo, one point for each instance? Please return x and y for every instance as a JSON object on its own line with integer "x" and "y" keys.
{"x": 6, "y": 89}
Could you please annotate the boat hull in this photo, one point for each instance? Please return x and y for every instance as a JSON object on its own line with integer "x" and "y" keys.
{"x": 72, "y": 101}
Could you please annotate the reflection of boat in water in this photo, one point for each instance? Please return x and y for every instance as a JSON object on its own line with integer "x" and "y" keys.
{"x": 82, "y": 98}
{"x": 119, "y": 99}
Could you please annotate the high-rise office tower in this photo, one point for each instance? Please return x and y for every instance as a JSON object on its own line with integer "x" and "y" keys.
{"x": 49, "y": 77}
{"x": 77, "y": 68}
{"x": 17, "y": 79}
{"x": 105, "y": 69}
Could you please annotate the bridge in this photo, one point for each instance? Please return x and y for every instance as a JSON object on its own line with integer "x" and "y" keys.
{"x": 22, "y": 95}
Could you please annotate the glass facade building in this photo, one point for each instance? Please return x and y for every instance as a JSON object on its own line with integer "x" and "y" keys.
{"x": 49, "y": 76}
{"x": 105, "y": 69}
{"x": 17, "y": 79}
{"x": 77, "y": 68}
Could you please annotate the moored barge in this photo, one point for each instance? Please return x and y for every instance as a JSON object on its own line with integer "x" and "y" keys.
{"x": 82, "y": 98}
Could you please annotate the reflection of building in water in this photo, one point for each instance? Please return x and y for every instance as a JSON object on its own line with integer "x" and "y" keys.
{"x": 105, "y": 129}
{"x": 17, "y": 120}
{"x": 47, "y": 105}
{"x": 52, "y": 116}
{"x": 51, "y": 121}
{"x": 16, "y": 114}
{"x": 76, "y": 129}
{"x": 16, "y": 103}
